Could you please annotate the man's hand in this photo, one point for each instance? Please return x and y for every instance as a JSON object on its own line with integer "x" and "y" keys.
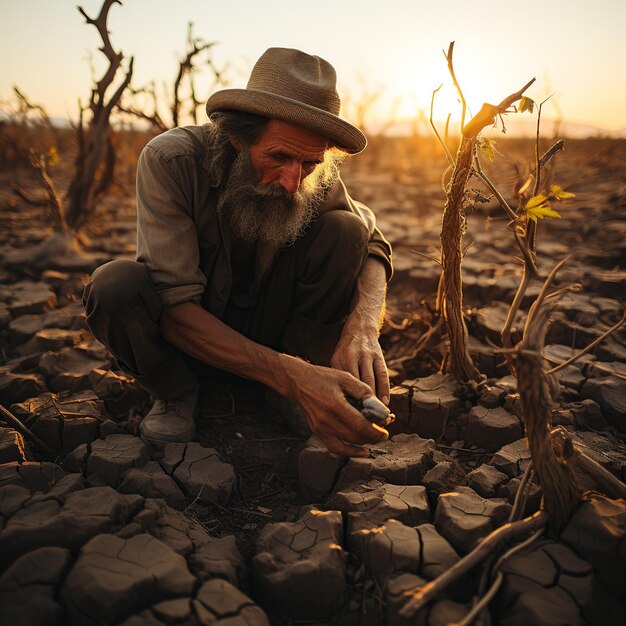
{"x": 359, "y": 353}
{"x": 358, "y": 350}
{"x": 321, "y": 392}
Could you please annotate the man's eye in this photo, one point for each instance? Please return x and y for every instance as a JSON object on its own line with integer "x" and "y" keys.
{"x": 280, "y": 158}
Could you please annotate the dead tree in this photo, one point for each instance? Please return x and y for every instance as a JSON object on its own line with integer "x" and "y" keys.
{"x": 184, "y": 101}
{"x": 95, "y": 161}
{"x": 453, "y": 226}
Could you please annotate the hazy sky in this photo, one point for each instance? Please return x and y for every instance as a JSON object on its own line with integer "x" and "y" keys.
{"x": 576, "y": 49}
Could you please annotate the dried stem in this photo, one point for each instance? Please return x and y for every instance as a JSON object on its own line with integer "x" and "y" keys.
{"x": 566, "y": 449}
{"x": 29, "y": 433}
{"x": 592, "y": 345}
{"x": 561, "y": 493}
{"x": 422, "y": 596}
{"x": 432, "y": 124}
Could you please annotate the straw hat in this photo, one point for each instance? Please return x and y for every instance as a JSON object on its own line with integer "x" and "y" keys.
{"x": 292, "y": 86}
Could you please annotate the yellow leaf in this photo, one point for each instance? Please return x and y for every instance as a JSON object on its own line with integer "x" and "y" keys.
{"x": 488, "y": 148}
{"x": 53, "y": 157}
{"x": 560, "y": 194}
{"x": 526, "y": 104}
{"x": 535, "y": 201}
{"x": 542, "y": 211}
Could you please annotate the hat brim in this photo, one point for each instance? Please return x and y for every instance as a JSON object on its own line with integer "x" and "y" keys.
{"x": 343, "y": 134}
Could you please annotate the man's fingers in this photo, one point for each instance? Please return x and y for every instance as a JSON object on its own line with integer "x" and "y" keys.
{"x": 341, "y": 448}
{"x": 382, "y": 379}
{"x": 366, "y": 373}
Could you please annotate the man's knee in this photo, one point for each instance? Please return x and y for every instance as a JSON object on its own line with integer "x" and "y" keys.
{"x": 118, "y": 286}
{"x": 343, "y": 229}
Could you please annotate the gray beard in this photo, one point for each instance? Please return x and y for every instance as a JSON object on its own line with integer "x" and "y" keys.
{"x": 268, "y": 213}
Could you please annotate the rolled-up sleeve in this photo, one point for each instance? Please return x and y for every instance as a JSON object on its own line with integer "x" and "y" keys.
{"x": 167, "y": 239}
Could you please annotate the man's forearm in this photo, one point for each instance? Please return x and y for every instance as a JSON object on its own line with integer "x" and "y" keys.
{"x": 368, "y": 308}
{"x": 201, "y": 335}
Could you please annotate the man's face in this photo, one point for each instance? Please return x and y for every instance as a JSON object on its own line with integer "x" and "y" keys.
{"x": 268, "y": 196}
{"x": 286, "y": 154}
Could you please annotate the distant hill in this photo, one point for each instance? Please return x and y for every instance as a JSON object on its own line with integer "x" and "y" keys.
{"x": 516, "y": 126}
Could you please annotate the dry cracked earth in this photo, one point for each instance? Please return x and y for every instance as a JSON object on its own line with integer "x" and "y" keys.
{"x": 251, "y": 524}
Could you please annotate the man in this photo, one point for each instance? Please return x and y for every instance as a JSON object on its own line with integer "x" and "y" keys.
{"x": 253, "y": 259}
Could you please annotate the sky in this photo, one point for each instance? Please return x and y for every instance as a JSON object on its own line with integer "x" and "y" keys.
{"x": 575, "y": 49}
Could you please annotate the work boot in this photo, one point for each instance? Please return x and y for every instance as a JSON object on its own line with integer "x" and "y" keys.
{"x": 171, "y": 420}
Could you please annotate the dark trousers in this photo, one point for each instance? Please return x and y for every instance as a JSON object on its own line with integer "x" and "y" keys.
{"x": 300, "y": 309}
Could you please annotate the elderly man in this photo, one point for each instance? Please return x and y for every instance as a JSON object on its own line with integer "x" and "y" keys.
{"x": 252, "y": 258}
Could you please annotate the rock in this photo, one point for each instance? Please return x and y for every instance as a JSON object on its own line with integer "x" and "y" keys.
{"x": 402, "y": 460}
{"x": 464, "y": 518}
{"x": 588, "y": 413}
{"x": 199, "y": 471}
{"x": 63, "y": 421}
{"x": 400, "y": 406}
{"x": 433, "y": 403}
{"x": 299, "y": 568}
{"x": 120, "y": 393}
{"x": 610, "y": 394}
{"x": 546, "y": 584}
{"x": 12, "y": 498}
{"x": 488, "y": 322}
{"x": 218, "y": 602}
{"x": 112, "y": 457}
{"x": 12, "y": 447}
{"x": 75, "y": 461}
{"x": 151, "y": 481}
{"x": 512, "y": 459}
{"x": 30, "y": 475}
{"x": 180, "y": 532}
{"x": 219, "y": 558}
{"x": 28, "y": 589}
{"x": 69, "y": 368}
{"x": 60, "y": 490}
{"x": 317, "y": 470}
{"x": 30, "y": 297}
{"x": 485, "y": 480}
{"x": 115, "y": 577}
{"x": 492, "y": 397}
{"x": 388, "y": 548}
{"x": 24, "y": 327}
{"x": 534, "y": 494}
{"x": 597, "y": 532}
{"x": 445, "y": 476}
{"x": 603, "y": 449}
{"x": 486, "y": 359}
{"x": 84, "y": 514}
{"x": 50, "y": 339}
{"x": 18, "y": 386}
{"x": 489, "y": 429}
{"x": 438, "y": 555}
{"x": 396, "y": 594}
{"x": 377, "y": 502}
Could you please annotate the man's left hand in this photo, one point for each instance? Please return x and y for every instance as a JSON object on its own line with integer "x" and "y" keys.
{"x": 359, "y": 353}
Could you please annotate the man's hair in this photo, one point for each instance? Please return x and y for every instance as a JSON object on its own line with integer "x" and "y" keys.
{"x": 246, "y": 127}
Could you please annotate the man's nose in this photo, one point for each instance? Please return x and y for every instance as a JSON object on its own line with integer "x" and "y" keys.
{"x": 291, "y": 177}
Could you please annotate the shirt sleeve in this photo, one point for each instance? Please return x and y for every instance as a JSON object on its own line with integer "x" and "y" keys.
{"x": 167, "y": 239}
{"x": 378, "y": 246}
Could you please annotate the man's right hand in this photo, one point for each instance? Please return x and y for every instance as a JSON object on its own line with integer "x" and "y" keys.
{"x": 321, "y": 392}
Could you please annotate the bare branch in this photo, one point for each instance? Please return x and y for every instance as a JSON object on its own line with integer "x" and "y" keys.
{"x": 432, "y": 124}
{"x": 488, "y": 112}
{"x": 455, "y": 81}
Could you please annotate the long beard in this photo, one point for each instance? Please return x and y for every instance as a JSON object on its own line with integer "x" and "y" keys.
{"x": 268, "y": 213}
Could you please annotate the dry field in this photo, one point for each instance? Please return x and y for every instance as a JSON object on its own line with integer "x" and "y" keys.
{"x": 251, "y": 520}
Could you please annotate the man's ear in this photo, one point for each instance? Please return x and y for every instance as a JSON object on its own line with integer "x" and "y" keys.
{"x": 235, "y": 142}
